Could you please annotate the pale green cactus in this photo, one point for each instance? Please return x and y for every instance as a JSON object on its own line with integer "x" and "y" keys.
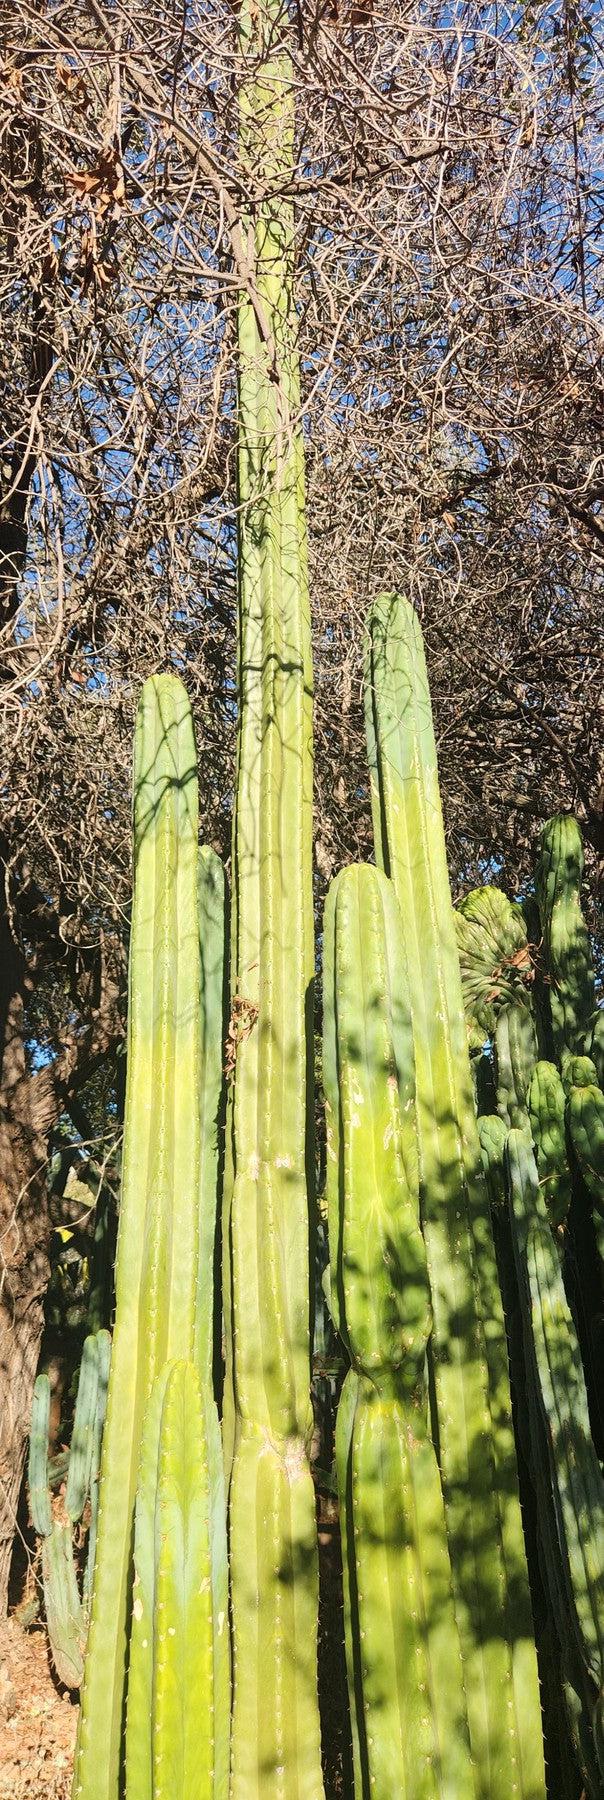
{"x": 403, "y": 1655}
{"x": 177, "y": 1732}
{"x": 476, "y": 1445}
{"x": 156, "y": 1266}
{"x": 268, "y": 1417}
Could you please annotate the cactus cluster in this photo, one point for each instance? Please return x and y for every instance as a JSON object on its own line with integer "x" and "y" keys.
{"x": 201, "y": 1668}
{"x": 67, "y": 1608}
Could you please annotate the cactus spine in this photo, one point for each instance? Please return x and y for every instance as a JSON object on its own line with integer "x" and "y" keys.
{"x": 403, "y": 1654}
{"x": 470, "y": 1366}
{"x": 275, "y": 1747}
{"x": 156, "y": 1265}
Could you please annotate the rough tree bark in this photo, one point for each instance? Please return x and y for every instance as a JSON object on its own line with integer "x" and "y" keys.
{"x": 27, "y": 1104}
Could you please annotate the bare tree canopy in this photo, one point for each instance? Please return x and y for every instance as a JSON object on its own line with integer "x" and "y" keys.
{"x": 448, "y": 193}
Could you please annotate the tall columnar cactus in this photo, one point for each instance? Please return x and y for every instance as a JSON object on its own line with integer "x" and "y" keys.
{"x": 156, "y": 1266}
{"x": 176, "y": 1743}
{"x": 272, "y": 1515}
{"x": 558, "y": 876}
{"x": 66, "y": 1608}
{"x": 475, "y": 1437}
{"x": 404, "y": 1661}
{"x": 575, "y": 1569}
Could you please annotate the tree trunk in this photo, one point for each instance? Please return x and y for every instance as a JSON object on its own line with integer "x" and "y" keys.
{"x": 26, "y": 1109}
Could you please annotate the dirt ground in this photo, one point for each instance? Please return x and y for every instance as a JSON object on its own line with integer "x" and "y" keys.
{"x": 38, "y": 1720}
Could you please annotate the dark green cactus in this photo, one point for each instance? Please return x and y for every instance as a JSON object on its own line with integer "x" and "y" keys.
{"x": 595, "y": 1045}
{"x": 586, "y": 1125}
{"x": 268, "y": 1416}
{"x": 471, "y": 1381}
{"x": 177, "y": 1736}
{"x": 516, "y": 1053}
{"x": 66, "y": 1610}
{"x": 403, "y": 1655}
{"x": 576, "y": 1566}
{"x": 558, "y": 876}
{"x": 547, "y": 1109}
{"x": 493, "y": 1133}
{"x": 156, "y": 1265}
{"x": 494, "y": 956}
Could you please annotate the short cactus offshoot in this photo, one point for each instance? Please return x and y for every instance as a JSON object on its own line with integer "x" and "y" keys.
{"x": 66, "y": 1609}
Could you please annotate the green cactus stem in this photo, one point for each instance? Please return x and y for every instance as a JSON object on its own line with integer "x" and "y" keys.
{"x": 65, "y": 1615}
{"x": 595, "y": 1045}
{"x": 476, "y": 1445}
{"x": 103, "y": 1351}
{"x": 403, "y": 1653}
{"x": 558, "y": 876}
{"x": 547, "y": 1109}
{"x": 37, "y": 1471}
{"x": 274, "y": 1577}
{"x": 213, "y": 954}
{"x": 67, "y": 1612}
{"x": 494, "y": 956}
{"x": 177, "y": 1728}
{"x": 156, "y": 1264}
{"x": 554, "y": 1364}
{"x": 578, "y": 1072}
{"x": 492, "y": 1133}
{"x": 586, "y": 1125}
{"x": 516, "y": 1053}
{"x": 83, "y": 1435}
